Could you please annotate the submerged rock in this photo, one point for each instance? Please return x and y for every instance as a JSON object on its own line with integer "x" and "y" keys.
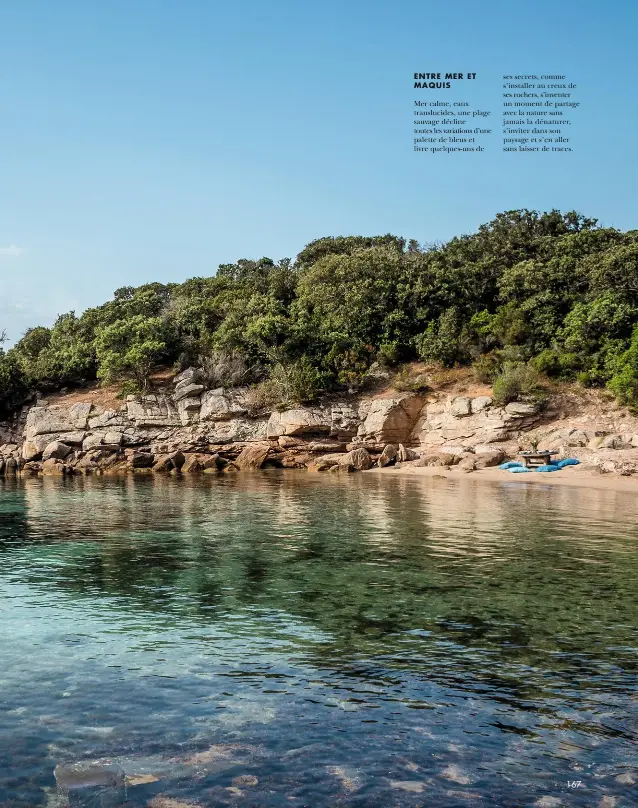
{"x": 456, "y": 775}
{"x": 85, "y": 782}
{"x": 413, "y": 786}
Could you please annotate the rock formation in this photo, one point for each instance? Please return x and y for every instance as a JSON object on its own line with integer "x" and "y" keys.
{"x": 194, "y": 429}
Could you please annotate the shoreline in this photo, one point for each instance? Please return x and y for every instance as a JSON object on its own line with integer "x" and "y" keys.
{"x": 572, "y": 476}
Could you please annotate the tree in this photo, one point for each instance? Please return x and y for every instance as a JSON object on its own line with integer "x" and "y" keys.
{"x": 129, "y": 348}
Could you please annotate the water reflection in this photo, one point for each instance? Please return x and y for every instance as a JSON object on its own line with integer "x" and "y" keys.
{"x": 445, "y": 641}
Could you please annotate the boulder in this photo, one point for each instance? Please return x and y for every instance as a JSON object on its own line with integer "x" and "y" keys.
{"x": 388, "y": 455}
{"x": 359, "y": 459}
{"x": 211, "y": 462}
{"x": 404, "y": 454}
{"x": 195, "y": 463}
{"x": 187, "y": 389}
{"x": 168, "y": 462}
{"x": 391, "y": 420}
{"x": 188, "y": 375}
{"x": 327, "y": 461}
{"x": 30, "y": 451}
{"x": 73, "y": 438}
{"x": 346, "y": 468}
{"x": 53, "y": 466}
{"x": 57, "y": 450}
{"x": 293, "y": 460}
{"x": 30, "y": 468}
{"x": 437, "y": 459}
{"x": 192, "y": 464}
{"x": 253, "y": 456}
{"x": 483, "y": 460}
{"x": 10, "y": 466}
{"x": 91, "y": 441}
{"x": 522, "y": 408}
{"x": 480, "y": 403}
{"x": 460, "y": 407}
{"x": 615, "y": 442}
{"x": 112, "y": 439}
{"x": 141, "y": 460}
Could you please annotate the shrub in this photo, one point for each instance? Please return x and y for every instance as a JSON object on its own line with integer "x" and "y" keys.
{"x": 388, "y": 353}
{"x": 624, "y": 382}
{"x": 407, "y": 381}
{"x": 299, "y": 382}
{"x": 487, "y": 367}
{"x": 227, "y": 369}
{"x": 263, "y": 396}
{"x": 518, "y": 382}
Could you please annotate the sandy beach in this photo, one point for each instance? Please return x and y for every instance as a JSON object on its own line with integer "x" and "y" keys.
{"x": 576, "y": 476}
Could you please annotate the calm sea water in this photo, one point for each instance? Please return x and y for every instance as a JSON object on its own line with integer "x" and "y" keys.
{"x": 288, "y": 639}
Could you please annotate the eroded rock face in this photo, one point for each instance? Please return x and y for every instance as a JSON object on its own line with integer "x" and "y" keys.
{"x": 154, "y": 410}
{"x": 310, "y": 421}
{"x": 390, "y": 420}
{"x": 350, "y": 434}
{"x": 238, "y": 429}
{"x": 217, "y": 405}
{"x": 464, "y": 421}
{"x": 49, "y": 420}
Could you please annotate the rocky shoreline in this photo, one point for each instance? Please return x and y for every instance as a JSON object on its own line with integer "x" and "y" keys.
{"x": 187, "y": 428}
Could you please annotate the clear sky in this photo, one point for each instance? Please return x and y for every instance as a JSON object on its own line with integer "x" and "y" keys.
{"x": 148, "y": 140}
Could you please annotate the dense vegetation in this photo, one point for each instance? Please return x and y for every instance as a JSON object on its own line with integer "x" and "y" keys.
{"x": 528, "y": 294}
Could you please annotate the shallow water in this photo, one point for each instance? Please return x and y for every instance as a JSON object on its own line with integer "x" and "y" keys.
{"x": 348, "y": 640}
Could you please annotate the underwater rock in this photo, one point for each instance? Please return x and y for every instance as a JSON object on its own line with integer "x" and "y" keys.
{"x": 101, "y": 781}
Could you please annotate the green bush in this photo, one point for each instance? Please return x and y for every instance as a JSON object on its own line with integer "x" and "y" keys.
{"x": 298, "y": 383}
{"x": 624, "y": 382}
{"x": 14, "y": 387}
{"x": 487, "y": 367}
{"x": 518, "y": 382}
{"x": 407, "y": 381}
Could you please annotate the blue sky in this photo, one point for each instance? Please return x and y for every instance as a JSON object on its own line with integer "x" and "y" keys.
{"x": 155, "y": 139}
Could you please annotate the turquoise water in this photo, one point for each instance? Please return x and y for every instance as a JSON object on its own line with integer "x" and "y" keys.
{"x": 290, "y": 639}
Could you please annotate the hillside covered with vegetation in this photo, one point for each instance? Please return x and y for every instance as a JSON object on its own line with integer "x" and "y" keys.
{"x": 528, "y": 295}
